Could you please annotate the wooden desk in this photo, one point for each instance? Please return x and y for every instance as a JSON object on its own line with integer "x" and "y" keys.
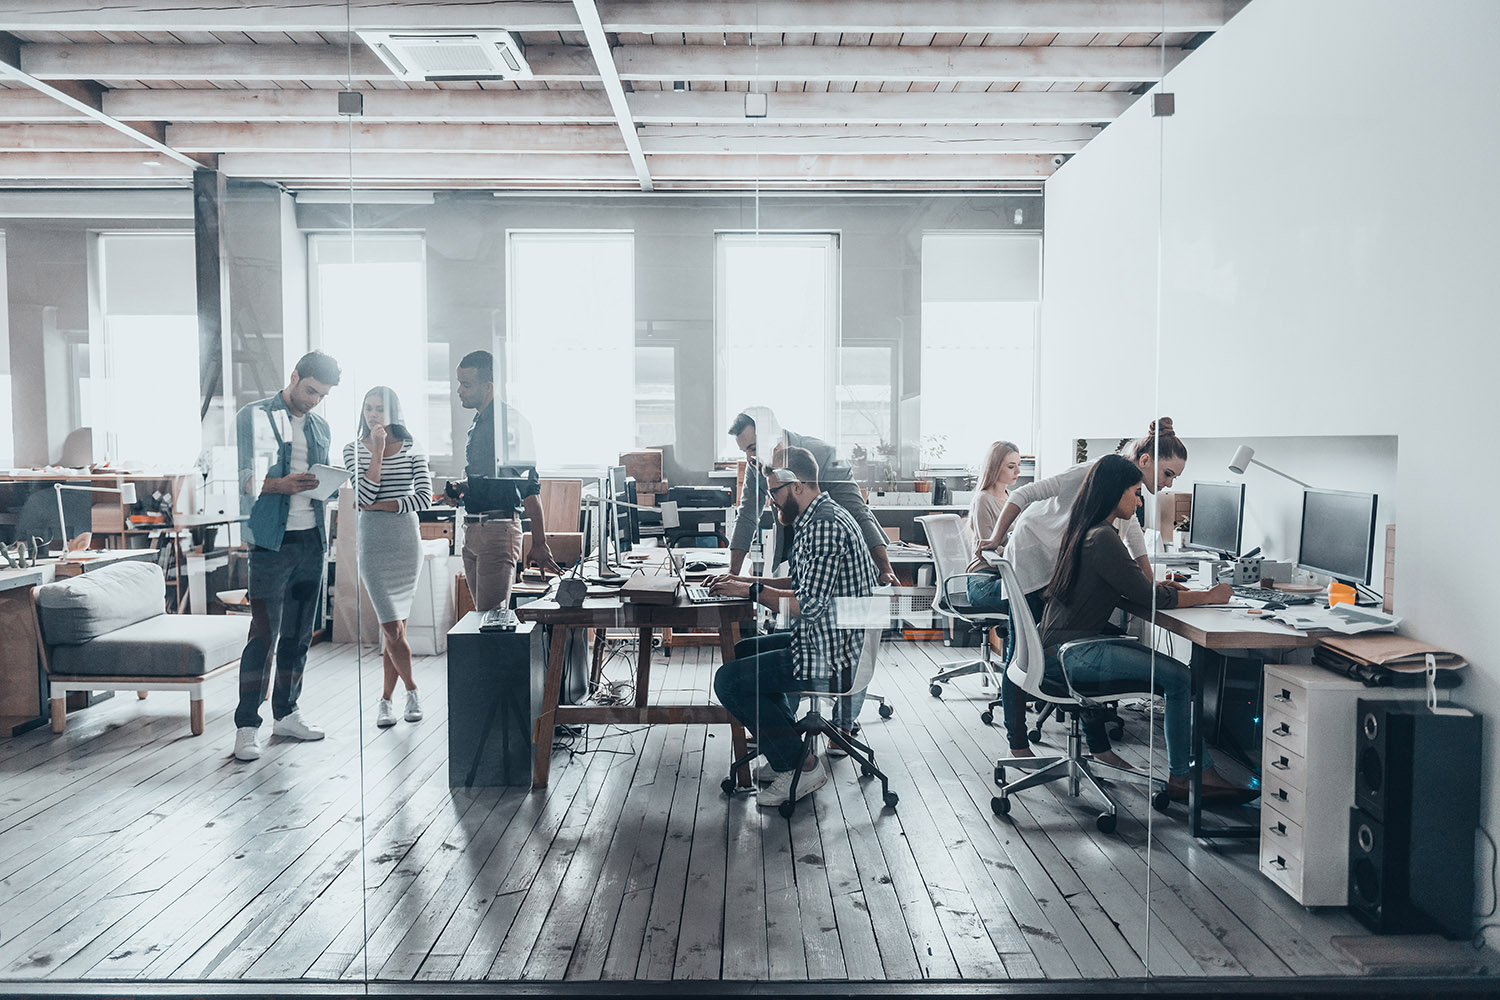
{"x": 611, "y": 612}
{"x": 1211, "y": 631}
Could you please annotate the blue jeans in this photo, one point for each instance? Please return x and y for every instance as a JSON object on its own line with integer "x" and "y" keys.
{"x": 754, "y": 686}
{"x": 845, "y": 710}
{"x": 1096, "y": 669}
{"x": 285, "y": 585}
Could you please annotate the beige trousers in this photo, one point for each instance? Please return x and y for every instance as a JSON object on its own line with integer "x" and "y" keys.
{"x": 491, "y": 551}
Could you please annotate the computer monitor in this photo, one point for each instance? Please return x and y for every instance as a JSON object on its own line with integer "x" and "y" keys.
{"x": 1217, "y": 517}
{"x": 1338, "y": 534}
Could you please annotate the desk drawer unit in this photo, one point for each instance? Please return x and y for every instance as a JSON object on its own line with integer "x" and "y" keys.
{"x": 1307, "y": 784}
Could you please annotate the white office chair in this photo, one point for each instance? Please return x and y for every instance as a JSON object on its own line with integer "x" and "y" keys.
{"x": 1028, "y": 670}
{"x": 951, "y": 549}
{"x": 814, "y": 724}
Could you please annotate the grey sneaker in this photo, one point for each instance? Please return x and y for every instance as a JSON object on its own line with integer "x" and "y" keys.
{"x": 413, "y": 707}
{"x": 293, "y": 726}
{"x": 780, "y": 790}
{"x": 385, "y": 713}
{"x": 245, "y": 745}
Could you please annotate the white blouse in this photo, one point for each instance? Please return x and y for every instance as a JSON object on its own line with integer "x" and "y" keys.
{"x": 1036, "y": 537}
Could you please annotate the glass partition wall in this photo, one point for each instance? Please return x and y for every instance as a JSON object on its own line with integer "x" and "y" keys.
{"x": 548, "y": 329}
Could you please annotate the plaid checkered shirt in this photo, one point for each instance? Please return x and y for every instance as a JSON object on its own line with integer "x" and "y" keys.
{"x": 829, "y": 560}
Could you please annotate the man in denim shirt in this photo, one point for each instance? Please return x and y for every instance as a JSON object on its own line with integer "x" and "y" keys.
{"x": 287, "y": 543}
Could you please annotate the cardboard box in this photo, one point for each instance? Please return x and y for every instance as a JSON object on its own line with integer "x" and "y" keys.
{"x": 1171, "y": 508}
{"x": 566, "y": 546}
{"x": 644, "y": 466}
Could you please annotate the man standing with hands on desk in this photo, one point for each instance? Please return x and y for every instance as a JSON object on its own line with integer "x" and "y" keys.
{"x": 492, "y": 539}
{"x": 287, "y": 545}
{"x": 829, "y": 560}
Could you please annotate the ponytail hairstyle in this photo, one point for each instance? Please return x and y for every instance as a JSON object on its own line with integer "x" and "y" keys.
{"x": 1160, "y": 441}
{"x": 993, "y": 460}
{"x": 1100, "y": 494}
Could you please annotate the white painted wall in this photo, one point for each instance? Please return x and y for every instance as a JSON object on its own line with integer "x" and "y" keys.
{"x": 1328, "y": 214}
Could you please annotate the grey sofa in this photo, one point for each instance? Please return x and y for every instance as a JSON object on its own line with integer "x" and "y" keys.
{"x": 109, "y": 631}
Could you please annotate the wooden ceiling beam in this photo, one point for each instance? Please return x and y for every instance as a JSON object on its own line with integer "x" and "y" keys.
{"x": 496, "y": 106}
{"x": 448, "y": 139}
{"x": 29, "y": 106}
{"x": 728, "y": 108}
{"x": 137, "y": 165}
{"x": 69, "y": 137}
{"x": 283, "y": 15}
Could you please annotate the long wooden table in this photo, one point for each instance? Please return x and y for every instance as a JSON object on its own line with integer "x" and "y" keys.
{"x": 611, "y": 612}
{"x": 1213, "y": 631}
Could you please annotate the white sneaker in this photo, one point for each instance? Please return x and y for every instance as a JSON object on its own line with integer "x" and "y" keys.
{"x": 780, "y": 790}
{"x": 245, "y": 746}
{"x": 413, "y": 707}
{"x": 293, "y": 726}
{"x": 385, "y": 713}
{"x": 763, "y": 772}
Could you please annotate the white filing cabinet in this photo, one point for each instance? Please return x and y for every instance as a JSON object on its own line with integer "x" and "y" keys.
{"x": 1307, "y": 779}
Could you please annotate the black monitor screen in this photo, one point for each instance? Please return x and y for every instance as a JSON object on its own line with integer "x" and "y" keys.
{"x": 1338, "y": 534}
{"x": 1218, "y": 513}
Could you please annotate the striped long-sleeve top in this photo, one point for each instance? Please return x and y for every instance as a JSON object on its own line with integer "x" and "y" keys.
{"x": 404, "y": 476}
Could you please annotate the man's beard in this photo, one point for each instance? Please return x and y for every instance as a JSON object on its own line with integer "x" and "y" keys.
{"x": 788, "y": 512}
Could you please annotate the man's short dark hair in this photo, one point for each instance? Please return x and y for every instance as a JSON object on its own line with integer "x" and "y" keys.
{"x": 319, "y": 366}
{"x": 740, "y": 423}
{"x": 482, "y": 362}
{"x": 800, "y": 463}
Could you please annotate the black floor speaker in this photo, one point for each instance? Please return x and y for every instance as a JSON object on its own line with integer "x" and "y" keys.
{"x": 1411, "y": 831}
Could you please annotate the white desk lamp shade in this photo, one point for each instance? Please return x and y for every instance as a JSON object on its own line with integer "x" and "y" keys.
{"x": 1241, "y": 460}
{"x": 127, "y": 494}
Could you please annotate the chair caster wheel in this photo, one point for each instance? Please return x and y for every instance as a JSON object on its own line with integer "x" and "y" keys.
{"x": 1000, "y": 806}
{"x": 891, "y": 798}
{"x": 1117, "y": 733}
{"x": 1161, "y": 801}
{"x": 1034, "y": 735}
{"x": 728, "y": 786}
{"x": 787, "y": 808}
{"x": 1105, "y": 823}
{"x": 999, "y": 776}
{"x": 886, "y": 711}
{"x": 935, "y": 691}
{"x": 987, "y": 717}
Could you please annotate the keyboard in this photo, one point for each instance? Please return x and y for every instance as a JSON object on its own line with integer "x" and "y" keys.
{"x": 1278, "y": 596}
{"x": 702, "y": 595}
{"x": 498, "y": 620}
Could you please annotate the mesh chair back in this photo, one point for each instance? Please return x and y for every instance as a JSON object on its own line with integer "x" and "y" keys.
{"x": 1027, "y": 664}
{"x": 951, "y": 551}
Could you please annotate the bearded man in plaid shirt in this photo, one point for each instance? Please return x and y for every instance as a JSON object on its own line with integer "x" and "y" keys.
{"x": 829, "y": 560}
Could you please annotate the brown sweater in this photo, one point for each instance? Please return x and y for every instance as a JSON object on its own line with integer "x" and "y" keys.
{"x": 1108, "y": 578}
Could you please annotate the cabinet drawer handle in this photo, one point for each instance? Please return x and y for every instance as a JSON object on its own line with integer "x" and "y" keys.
{"x": 1282, "y": 764}
{"x": 1280, "y": 863}
{"x": 1284, "y": 697}
{"x": 1281, "y": 794}
{"x": 1279, "y": 829}
{"x": 1283, "y": 730}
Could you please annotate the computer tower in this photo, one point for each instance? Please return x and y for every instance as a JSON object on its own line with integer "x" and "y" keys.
{"x": 1416, "y": 806}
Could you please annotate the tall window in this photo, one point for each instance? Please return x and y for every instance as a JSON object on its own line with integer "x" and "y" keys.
{"x": 655, "y": 395}
{"x": 776, "y": 323}
{"x": 144, "y": 351}
{"x": 368, "y": 302}
{"x": 979, "y": 320}
{"x": 865, "y": 411}
{"x": 570, "y": 353}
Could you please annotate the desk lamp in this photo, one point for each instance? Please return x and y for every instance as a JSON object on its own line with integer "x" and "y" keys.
{"x": 127, "y": 498}
{"x": 1244, "y": 457}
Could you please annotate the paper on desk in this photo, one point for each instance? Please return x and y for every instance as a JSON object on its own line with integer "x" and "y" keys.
{"x": 1346, "y": 619}
{"x": 330, "y": 478}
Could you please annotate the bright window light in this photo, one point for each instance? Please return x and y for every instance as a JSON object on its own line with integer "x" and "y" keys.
{"x": 369, "y": 310}
{"x": 570, "y": 345}
{"x": 776, "y": 327}
{"x": 979, "y": 322}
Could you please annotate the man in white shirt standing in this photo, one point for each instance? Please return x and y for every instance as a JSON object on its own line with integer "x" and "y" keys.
{"x": 287, "y": 545}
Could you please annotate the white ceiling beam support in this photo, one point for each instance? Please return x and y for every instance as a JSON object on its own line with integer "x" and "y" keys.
{"x": 29, "y": 106}
{"x": 65, "y": 138}
{"x": 90, "y": 166}
{"x": 708, "y": 140}
{"x": 83, "y": 101}
{"x": 457, "y": 106}
{"x": 665, "y": 63}
{"x": 728, "y": 108}
{"x": 893, "y": 16}
{"x": 588, "y": 16}
{"x": 283, "y": 15}
{"x": 417, "y": 166}
{"x": 251, "y": 63}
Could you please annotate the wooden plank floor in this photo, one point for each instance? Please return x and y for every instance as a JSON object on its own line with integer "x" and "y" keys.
{"x": 129, "y": 849}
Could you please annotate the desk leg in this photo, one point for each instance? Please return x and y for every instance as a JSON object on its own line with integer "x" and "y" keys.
{"x": 729, "y": 634}
{"x": 542, "y": 766}
{"x": 643, "y": 668}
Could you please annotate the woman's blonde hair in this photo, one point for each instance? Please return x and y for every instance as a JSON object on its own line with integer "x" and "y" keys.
{"x": 994, "y": 459}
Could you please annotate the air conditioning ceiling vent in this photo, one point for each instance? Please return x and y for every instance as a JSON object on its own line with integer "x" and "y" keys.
{"x": 450, "y": 55}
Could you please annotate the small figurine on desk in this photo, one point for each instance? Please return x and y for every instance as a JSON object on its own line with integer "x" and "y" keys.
{"x": 22, "y": 554}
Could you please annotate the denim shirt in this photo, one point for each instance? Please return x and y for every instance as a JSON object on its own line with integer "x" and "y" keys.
{"x": 258, "y": 421}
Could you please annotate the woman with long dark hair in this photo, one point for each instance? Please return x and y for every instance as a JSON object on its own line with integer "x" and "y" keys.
{"x": 1096, "y": 574}
{"x": 394, "y": 482}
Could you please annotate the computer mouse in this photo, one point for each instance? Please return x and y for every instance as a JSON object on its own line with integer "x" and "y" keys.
{"x": 1272, "y": 606}
{"x": 696, "y": 566}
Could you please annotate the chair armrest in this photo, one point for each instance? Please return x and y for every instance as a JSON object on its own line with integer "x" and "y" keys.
{"x": 947, "y": 607}
{"x": 1067, "y": 647}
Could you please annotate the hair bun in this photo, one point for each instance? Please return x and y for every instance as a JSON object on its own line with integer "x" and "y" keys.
{"x": 1162, "y": 427}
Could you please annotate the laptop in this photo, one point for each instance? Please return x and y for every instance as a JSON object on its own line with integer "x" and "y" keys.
{"x": 697, "y": 593}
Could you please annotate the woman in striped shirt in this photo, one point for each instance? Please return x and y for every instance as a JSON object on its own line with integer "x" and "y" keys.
{"x": 394, "y": 482}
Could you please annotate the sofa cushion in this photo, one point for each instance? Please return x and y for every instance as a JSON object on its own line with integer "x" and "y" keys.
{"x": 111, "y": 597}
{"x": 164, "y": 646}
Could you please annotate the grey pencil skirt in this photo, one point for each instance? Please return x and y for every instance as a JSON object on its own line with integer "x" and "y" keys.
{"x": 390, "y": 557}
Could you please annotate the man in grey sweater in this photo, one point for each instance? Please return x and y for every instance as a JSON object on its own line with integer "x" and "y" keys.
{"x": 834, "y": 478}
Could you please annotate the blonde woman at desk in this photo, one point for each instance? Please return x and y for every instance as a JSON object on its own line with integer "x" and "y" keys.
{"x": 1096, "y": 574}
{"x": 1030, "y": 532}
{"x": 394, "y": 482}
{"x": 1002, "y": 467}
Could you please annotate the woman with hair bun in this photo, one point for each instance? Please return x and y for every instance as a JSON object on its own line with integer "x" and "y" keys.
{"x": 1030, "y": 532}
